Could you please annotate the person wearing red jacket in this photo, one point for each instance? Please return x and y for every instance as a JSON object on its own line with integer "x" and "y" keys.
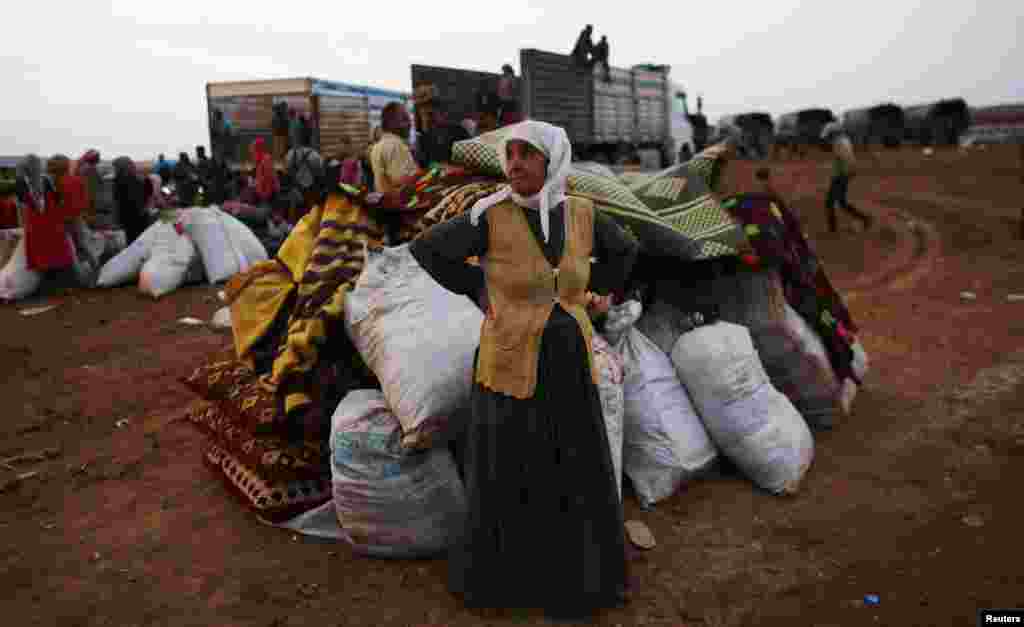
{"x": 47, "y": 207}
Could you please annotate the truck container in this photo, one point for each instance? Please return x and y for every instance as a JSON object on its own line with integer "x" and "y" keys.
{"x": 939, "y": 123}
{"x": 342, "y": 115}
{"x": 756, "y": 133}
{"x": 884, "y": 124}
{"x": 802, "y": 129}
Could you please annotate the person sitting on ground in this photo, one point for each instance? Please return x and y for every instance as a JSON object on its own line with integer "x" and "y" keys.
{"x": 391, "y": 159}
{"x": 544, "y": 529}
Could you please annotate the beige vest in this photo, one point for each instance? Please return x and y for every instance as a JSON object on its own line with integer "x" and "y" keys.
{"x": 523, "y": 288}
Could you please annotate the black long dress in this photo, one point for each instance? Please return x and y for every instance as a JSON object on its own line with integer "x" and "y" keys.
{"x": 545, "y": 523}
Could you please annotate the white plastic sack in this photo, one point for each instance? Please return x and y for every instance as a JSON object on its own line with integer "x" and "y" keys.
{"x": 390, "y": 502}
{"x": 222, "y": 318}
{"x": 17, "y": 281}
{"x": 418, "y": 338}
{"x": 750, "y": 421}
{"x": 226, "y": 245}
{"x": 171, "y": 257}
{"x": 861, "y": 364}
{"x": 125, "y": 266}
{"x": 665, "y": 444}
{"x": 610, "y": 382}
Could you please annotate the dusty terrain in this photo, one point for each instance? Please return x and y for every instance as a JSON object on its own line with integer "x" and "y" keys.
{"x": 915, "y": 498}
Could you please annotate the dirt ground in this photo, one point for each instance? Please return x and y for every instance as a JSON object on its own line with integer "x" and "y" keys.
{"x": 916, "y": 498}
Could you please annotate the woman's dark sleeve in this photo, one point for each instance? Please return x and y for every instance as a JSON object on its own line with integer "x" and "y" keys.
{"x": 616, "y": 252}
{"x": 442, "y": 251}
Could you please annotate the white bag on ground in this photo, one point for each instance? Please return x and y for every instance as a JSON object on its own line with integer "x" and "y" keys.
{"x": 222, "y": 318}
{"x": 171, "y": 257}
{"x": 17, "y": 281}
{"x": 418, "y": 338}
{"x": 861, "y": 364}
{"x": 390, "y": 502}
{"x": 125, "y": 266}
{"x": 226, "y": 245}
{"x": 751, "y": 422}
{"x": 610, "y": 371}
{"x": 665, "y": 442}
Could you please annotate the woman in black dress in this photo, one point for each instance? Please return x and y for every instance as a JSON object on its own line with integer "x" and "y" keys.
{"x": 545, "y": 522}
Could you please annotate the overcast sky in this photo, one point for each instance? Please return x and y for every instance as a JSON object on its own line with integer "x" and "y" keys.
{"x": 128, "y": 77}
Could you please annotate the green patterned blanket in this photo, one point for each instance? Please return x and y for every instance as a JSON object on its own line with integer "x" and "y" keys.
{"x": 672, "y": 212}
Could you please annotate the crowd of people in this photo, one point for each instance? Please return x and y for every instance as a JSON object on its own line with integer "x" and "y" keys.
{"x": 535, "y": 355}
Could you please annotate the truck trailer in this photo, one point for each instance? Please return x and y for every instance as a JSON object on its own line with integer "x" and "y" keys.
{"x": 342, "y": 116}
{"x": 638, "y": 112}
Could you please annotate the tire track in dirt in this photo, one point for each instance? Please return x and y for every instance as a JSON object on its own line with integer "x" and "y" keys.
{"x": 911, "y": 266}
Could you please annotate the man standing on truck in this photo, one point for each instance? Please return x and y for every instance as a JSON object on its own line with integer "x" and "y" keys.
{"x": 601, "y": 56}
{"x": 843, "y": 169}
{"x": 584, "y": 47}
{"x": 390, "y": 158}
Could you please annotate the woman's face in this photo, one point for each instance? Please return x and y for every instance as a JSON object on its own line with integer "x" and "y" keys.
{"x": 527, "y": 168}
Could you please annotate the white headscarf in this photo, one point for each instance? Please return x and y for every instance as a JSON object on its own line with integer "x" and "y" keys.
{"x": 553, "y": 142}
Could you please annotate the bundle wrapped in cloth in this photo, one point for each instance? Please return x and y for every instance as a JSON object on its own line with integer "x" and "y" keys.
{"x": 664, "y": 214}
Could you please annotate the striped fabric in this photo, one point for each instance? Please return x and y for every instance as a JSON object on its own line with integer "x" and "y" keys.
{"x": 332, "y": 270}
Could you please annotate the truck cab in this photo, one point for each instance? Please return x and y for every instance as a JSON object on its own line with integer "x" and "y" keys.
{"x": 682, "y": 146}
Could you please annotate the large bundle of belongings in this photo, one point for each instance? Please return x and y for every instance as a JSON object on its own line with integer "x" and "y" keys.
{"x": 18, "y": 280}
{"x": 340, "y": 412}
{"x": 185, "y": 246}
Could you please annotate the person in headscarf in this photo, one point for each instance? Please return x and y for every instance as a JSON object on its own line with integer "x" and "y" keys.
{"x": 130, "y": 196}
{"x": 545, "y": 522}
{"x": 267, "y": 183}
{"x": 88, "y": 169}
{"x": 47, "y": 205}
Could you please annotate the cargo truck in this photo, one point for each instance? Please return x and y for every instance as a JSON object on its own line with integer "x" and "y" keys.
{"x": 639, "y": 112}
{"x": 342, "y": 116}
